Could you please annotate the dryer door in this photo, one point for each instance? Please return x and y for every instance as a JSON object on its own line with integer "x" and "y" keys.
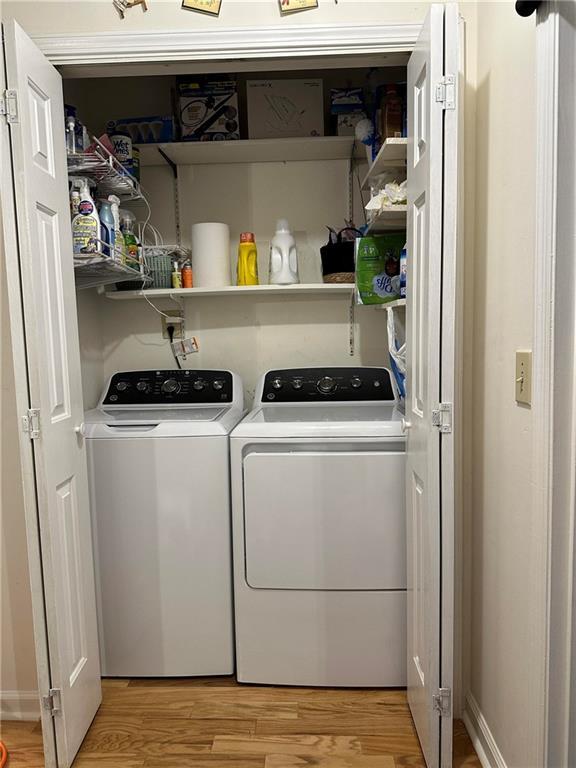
{"x": 325, "y": 520}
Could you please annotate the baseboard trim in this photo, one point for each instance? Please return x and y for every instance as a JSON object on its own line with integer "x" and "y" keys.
{"x": 481, "y": 735}
{"x": 19, "y": 705}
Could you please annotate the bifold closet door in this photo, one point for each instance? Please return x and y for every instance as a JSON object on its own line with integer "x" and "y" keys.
{"x": 431, "y": 238}
{"x": 55, "y": 388}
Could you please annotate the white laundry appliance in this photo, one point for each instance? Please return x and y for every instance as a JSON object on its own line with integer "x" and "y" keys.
{"x": 158, "y": 462}
{"x": 319, "y": 530}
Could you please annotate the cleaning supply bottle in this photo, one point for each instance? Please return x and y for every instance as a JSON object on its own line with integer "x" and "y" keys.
{"x": 107, "y": 234}
{"x": 86, "y": 223}
{"x": 74, "y": 198}
{"x": 392, "y": 114}
{"x": 176, "y": 275}
{"x": 187, "y": 276}
{"x": 283, "y": 256}
{"x": 247, "y": 260}
{"x": 132, "y": 251}
{"x": 119, "y": 246}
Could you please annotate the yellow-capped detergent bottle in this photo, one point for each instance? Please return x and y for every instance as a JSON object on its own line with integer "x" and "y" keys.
{"x": 247, "y": 260}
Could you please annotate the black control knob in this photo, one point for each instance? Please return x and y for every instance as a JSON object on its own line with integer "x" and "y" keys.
{"x": 356, "y": 382}
{"x": 199, "y": 385}
{"x": 277, "y": 383}
{"x": 326, "y": 385}
{"x": 170, "y": 387}
{"x": 142, "y": 386}
{"x": 218, "y": 384}
{"x": 297, "y": 383}
{"x": 122, "y": 386}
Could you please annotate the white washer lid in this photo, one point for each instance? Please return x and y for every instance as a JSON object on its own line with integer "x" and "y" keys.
{"x": 343, "y": 420}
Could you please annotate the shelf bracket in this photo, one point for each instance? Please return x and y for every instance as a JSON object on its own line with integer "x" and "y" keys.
{"x": 170, "y": 162}
{"x": 174, "y": 167}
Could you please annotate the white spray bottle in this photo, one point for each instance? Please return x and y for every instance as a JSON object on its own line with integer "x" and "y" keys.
{"x": 283, "y": 256}
{"x": 119, "y": 246}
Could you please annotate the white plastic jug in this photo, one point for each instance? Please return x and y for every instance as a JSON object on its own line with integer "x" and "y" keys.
{"x": 283, "y": 256}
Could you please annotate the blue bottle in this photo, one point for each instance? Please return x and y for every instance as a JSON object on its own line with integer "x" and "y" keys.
{"x": 107, "y": 234}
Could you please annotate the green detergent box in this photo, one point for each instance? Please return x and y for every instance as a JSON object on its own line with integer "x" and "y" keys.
{"x": 378, "y": 267}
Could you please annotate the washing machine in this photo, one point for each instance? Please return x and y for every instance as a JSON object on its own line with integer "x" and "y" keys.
{"x": 319, "y": 530}
{"x": 158, "y": 462}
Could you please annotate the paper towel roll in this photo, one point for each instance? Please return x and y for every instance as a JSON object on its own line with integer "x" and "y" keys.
{"x": 211, "y": 255}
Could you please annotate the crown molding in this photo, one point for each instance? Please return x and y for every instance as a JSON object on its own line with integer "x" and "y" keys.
{"x": 226, "y": 44}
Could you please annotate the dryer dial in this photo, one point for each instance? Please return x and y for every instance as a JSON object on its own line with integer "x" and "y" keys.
{"x": 326, "y": 385}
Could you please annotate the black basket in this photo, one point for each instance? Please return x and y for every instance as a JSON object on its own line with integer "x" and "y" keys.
{"x": 338, "y": 257}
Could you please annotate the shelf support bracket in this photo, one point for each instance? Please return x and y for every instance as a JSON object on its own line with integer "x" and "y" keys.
{"x": 174, "y": 167}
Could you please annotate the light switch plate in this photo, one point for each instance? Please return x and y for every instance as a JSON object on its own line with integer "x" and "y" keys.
{"x": 524, "y": 377}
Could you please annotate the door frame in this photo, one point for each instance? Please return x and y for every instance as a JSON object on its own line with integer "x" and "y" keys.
{"x": 97, "y": 52}
{"x": 554, "y": 379}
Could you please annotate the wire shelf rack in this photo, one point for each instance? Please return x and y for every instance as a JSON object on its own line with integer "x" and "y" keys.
{"x": 111, "y": 176}
{"x": 105, "y": 266}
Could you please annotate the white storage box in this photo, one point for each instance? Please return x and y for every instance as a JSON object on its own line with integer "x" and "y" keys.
{"x": 285, "y": 108}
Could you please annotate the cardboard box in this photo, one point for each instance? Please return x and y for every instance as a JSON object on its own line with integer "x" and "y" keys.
{"x": 144, "y": 130}
{"x": 208, "y": 109}
{"x": 285, "y": 108}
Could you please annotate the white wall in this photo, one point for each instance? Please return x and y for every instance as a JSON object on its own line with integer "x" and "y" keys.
{"x": 42, "y": 17}
{"x": 246, "y": 334}
{"x": 505, "y": 667}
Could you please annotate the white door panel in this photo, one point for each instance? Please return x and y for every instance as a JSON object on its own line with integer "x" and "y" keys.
{"x": 49, "y": 302}
{"x": 431, "y": 298}
{"x": 312, "y": 522}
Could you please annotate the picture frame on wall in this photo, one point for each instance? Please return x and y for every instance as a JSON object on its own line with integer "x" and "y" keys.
{"x": 293, "y": 6}
{"x": 211, "y": 7}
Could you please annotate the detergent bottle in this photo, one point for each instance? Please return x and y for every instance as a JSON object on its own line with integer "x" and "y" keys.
{"x": 283, "y": 256}
{"x": 247, "y": 260}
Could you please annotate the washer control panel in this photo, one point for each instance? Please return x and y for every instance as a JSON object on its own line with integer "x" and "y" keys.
{"x": 169, "y": 387}
{"x": 302, "y": 385}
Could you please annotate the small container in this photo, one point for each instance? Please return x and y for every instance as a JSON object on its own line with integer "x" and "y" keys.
{"x": 247, "y": 273}
{"x": 176, "y": 276}
{"x": 187, "y": 277}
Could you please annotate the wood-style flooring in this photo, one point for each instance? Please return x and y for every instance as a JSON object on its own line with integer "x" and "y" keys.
{"x": 217, "y": 723}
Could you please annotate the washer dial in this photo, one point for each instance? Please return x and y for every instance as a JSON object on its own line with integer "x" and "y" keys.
{"x": 170, "y": 387}
{"x": 326, "y": 385}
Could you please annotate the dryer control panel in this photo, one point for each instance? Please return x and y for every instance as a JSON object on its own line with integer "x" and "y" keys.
{"x": 302, "y": 385}
{"x": 176, "y": 387}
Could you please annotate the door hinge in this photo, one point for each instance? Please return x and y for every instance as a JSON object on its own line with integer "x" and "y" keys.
{"x": 31, "y": 423}
{"x": 442, "y": 702}
{"x": 9, "y": 106}
{"x": 52, "y": 701}
{"x": 446, "y": 92}
{"x": 442, "y": 417}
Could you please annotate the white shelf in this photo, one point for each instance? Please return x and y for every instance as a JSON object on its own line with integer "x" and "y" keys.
{"x": 252, "y": 150}
{"x": 388, "y": 219}
{"x": 302, "y": 289}
{"x": 392, "y": 154}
